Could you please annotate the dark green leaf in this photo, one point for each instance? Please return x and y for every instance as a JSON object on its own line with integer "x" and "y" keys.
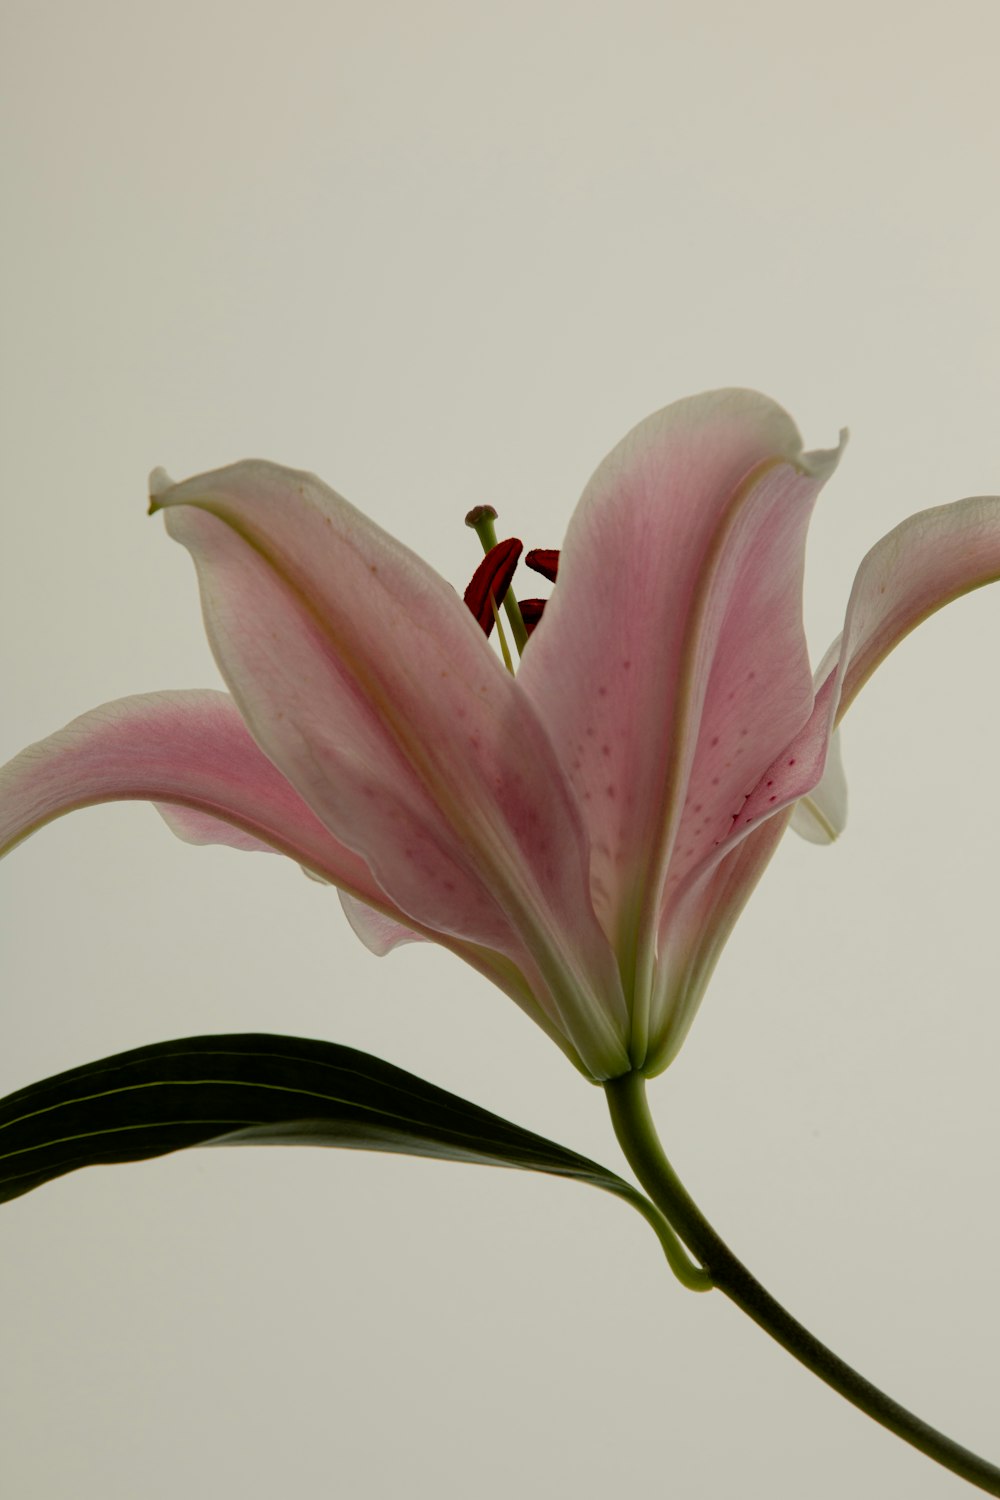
{"x": 261, "y": 1090}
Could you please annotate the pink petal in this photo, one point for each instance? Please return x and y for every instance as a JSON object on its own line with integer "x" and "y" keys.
{"x": 201, "y": 828}
{"x": 760, "y": 688}
{"x": 676, "y": 620}
{"x": 925, "y": 563}
{"x": 695, "y": 932}
{"x": 188, "y": 750}
{"x": 379, "y": 933}
{"x": 821, "y": 815}
{"x": 190, "y": 754}
{"x": 368, "y": 683}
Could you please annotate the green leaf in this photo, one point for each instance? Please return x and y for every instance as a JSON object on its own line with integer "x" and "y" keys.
{"x": 261, "y": 1090}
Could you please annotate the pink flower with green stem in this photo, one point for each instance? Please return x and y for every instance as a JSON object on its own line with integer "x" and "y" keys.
{"x": 585, "y": 830}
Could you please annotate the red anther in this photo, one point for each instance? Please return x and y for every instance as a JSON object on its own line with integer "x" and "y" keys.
{"x": 544, "y": 560}
{"x": 531, "y": 612}
{"x": 491, "y": 580}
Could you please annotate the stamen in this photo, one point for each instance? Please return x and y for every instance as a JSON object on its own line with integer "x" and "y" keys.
{"x": 531, "y": 612}
{"x": 482, "y": 520}
{"x": 504, "y": 648}
{"x": 491, "y": 581}
{"x": 544, "y": 560}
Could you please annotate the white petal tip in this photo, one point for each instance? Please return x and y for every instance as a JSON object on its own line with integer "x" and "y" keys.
{"x": 821, "y": 462}
{"x": 159, "y": 482}
{"x": 811, "y": 824}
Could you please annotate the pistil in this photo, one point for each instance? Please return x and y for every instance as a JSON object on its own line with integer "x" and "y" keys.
{"x": 482, "y": 520}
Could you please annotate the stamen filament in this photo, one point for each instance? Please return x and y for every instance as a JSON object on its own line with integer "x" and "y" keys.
{"x": 482, "y": 520}
{"x": 504, "y": 648}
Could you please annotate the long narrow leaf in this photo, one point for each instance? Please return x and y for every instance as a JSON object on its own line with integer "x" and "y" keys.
{"x": 260, "y": 1090}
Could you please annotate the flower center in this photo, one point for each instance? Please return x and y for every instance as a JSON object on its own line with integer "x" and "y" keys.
{"x": 490, "y": 585}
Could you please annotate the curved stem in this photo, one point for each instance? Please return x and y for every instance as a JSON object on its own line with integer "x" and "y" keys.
{"x": 638, "y": 1138}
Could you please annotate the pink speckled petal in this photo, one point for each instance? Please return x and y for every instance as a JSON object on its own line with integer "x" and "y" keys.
{"x": 191, "y": 755}
{"x": 821, "y": 815}
{"x": 366, "y": 680}
{"x": 923, "y": 564}
{"x": 929, "y": 560}
{"x": 926, "y": 562}
{"x": 759, "y": 690}
{"x": 202, "y": 829}
{"x": 382, "y": 934}
{"x": 694, "y": 935}
{"x": 670, "y": 664}
{"x": 188, "y": 750}
{"x": 379, "y": 933}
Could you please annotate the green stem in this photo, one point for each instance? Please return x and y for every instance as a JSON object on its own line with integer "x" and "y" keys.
{"x": 638, "y": 1138}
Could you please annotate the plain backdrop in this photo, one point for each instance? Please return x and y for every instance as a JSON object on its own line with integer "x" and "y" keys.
{"x": 443, "y": 254}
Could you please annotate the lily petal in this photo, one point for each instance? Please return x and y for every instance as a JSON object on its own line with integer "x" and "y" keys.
{"x": 379, "y": 933}
{"x": 401, "y": 730}
{"x": 692, "y": 638}
{"x": 926, "y": 562}
{"x": 189, "y": 751}
{"x": 759, "y": 686}
{"x": 199, "y": 828}
{"x": 191, "y": 755}
{"x": 821, "y": 815}
{"x": 695, "y": 932}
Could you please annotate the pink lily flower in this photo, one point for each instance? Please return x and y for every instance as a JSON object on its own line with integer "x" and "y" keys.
{"x": 584, "y": 832}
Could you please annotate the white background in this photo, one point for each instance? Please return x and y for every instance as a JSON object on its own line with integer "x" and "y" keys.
{"x": 444, "y": 254}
